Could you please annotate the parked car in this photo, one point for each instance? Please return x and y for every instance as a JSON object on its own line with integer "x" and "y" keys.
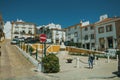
{"x": 15, "y": 41}
{"x": 30, "y": 40}
{"x": 67, "y": 43}
{"x": 22, "y": 39}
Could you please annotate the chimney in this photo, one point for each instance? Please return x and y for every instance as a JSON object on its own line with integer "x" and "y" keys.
{"x": 81, "y": 21}
{"x": 102, "y": 17}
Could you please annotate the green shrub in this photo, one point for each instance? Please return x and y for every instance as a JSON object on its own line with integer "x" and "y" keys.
{"x": 51, "y": 64}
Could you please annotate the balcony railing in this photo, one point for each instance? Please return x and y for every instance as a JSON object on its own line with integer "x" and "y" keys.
{"x": 16, "y": 32}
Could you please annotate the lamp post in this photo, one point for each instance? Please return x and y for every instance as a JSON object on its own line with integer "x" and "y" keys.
{"x": 118, "y": 53}
{"x": 116, "y": 48}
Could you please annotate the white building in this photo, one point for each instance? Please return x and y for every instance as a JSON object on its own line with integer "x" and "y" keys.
{"x": 23, "y": 29}
{"x": 58, "y": 35}
{"x": 76, "y": 34}
{"x": 53, "y": 31}
{"x": 107, "y": 33}
{"x": 102, "y": 35}
{"x": 73, "y": 33}
{"x": 7, "y": 30}
{"x": 88, "y": 36}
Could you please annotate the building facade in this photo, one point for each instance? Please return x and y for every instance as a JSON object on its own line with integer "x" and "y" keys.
{"x": 54, "y": 32}
{"x": 88, "y": 36}
{"x": 73, "y": 33}
{"x": 107, "y": 33}
{"x": 101, "y": 35}
{"x": 82, "y": 35}
{"x": 23, "y": 29}
{"x": 58, "y": 35}
{"x": 7, "y": 30}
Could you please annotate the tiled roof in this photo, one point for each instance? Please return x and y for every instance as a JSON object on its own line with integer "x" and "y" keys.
{"x": 73, "y": 25}
{"x": 107, "y": 20}
{"x": 88, "y": 25}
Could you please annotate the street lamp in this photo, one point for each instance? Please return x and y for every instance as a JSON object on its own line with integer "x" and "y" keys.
{"x": 118, "y": 53}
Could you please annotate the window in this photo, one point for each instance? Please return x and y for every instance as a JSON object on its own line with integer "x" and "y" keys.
{"x": 16, "y": 32}
{"x": 86, "y": 37}
{"x": 110, "y": 42}
{"x": 102, "y": 42}
{"x": 101, "y": 30}
{"x": 68, "y": 37}
{"x": 23, "y": 27}
{"x": 22, "y": 32}
{"x": 91, "y": 27}
{"x": 16, "y": 28}
{"x": 69, "y": 34}
{"x": 93, "y": 44}
{"x": 57, "y": 33}
{"x": 30, "y": 28}
{"x": 108, "y": 28}
{"x": 86, "y": 28}
{"x": 75, "y": 27}
{"x": 78, "y": 27}
{"x": 29, "y": 32}
{"x": 76, "y": 34}
{"x": 68, "y": 29}
{"x": 92, "y": 36}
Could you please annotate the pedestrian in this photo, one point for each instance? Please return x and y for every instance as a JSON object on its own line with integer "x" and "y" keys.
{"x": 90, "y": 61}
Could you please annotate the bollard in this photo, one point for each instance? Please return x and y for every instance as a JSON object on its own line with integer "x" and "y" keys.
{"x": 77, "y": 62}
{"x": 117, "y": 57}
{"x": 30, "y": 53}
{"x": 108, "y": 59}
{"x": 0, "y": 50}
{"x": 39, "y": 67}
{"x": 95, "y": 60}
{"x": 36, "y": 54}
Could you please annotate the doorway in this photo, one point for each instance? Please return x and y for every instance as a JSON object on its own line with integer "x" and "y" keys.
{"x": 88, "y": 45}
{"x": 110, "y": 42}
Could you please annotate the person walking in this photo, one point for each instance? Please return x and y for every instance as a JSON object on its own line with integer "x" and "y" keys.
{"x": 90, "y": 61}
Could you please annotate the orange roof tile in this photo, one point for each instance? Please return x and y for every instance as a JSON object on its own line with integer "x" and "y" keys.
{"x": 107, "y": 20}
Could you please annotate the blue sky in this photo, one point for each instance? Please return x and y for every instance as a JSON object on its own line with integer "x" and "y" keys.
{"x": 63, "y": 12}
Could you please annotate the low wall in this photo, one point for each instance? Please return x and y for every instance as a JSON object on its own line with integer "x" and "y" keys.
{"x": 30, "y": 58}
{"x": 81, "y": 50}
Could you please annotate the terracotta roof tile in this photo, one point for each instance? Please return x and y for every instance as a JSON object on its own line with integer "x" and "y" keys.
{"x": 105, "y": 20}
